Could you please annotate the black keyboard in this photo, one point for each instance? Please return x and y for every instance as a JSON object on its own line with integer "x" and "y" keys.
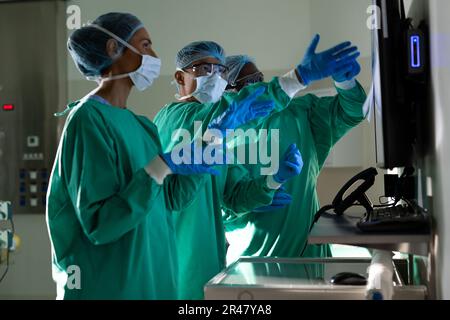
{"x": 401, "y": 218}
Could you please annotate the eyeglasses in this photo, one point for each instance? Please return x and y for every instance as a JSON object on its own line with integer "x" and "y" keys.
{"x": 205, "y": 69}
{"x": 247, "y": 81}
{"x": 250, "y": 79}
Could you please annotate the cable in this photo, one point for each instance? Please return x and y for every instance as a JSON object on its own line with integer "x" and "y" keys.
{"x": 7, "y": 253}
{"x": 7, "y": 266}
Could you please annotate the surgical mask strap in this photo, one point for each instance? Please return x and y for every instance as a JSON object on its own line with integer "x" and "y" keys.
{"x": 100, "y": 79}
{"x": 117, "y": 38}
{"x": 109, "y": 33}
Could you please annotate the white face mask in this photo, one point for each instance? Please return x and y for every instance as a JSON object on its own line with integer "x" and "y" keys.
{"x": 209, "y": 89}
{"x": 144, "y": 76}
{"x": 147, "y": 73}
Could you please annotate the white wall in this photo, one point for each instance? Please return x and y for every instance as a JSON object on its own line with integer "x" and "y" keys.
{"x": 341, "y": 20}
{"x": 338, "y": 21}
{"x": 274, "y": 32}
{"x": 440, "y": 160}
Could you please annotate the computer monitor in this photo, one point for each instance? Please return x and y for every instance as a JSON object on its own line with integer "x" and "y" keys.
{"x": 393, "y": 130}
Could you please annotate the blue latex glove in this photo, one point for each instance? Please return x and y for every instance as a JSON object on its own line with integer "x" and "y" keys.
{"x": 187, "y": 167}
{"x": 290, "y": 166}
{"x": 318, "y": 66}
{"x": 244, "y": 111}
{"x": 348, "y": 72}
{"x": 280, "y": 200}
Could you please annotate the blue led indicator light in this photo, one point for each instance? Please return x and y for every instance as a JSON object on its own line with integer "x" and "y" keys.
{"x": 415, "y": 52}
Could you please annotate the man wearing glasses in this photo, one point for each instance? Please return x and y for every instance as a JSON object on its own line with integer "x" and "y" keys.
{"x": 201, "y": 79}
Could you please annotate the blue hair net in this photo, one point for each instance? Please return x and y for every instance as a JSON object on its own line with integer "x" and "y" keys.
{"x": 235, "y": 65}
{"x": 199, "y": 50}
{"x": 87, "y": 45}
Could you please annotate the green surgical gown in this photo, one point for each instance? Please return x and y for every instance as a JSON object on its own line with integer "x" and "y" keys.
{"x": 200, "y": 231}
{"x": 315, "y": 125}
{"x": 106, "y": 216}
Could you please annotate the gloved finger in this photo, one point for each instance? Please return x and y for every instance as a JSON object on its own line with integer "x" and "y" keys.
{"x": 356, "y": 69}
{"x": 280, "y": 197}
{"x": 338, "y": 48}
{"x": 290, "y": 150}
{"x": 293, "y": 153}
{"x": 348, "y": 59}
{"x": 280, "y": 204}
{"x": 293, "y": 157}
{"x": 281, "y": 192}
{"x": 281, "y": 201}
{"x": 276, "y": 207}
{"x": 343, "y": 69}
{"x": 261, "y": 114}
{"x": 255, "y": 95}
{"x": 291, "y": 166}
{"x": 265, "y": 110}
{"x": 313, "y": 46}
{"x": 263, "y": 105}
{"x": 298, "y": 155}
{"x": 345, "y": 52}
{"x": 298, "y": 161}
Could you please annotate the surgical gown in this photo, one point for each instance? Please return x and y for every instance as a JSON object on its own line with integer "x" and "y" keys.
{"x": 200, "y": 231}
{"x": 315, "y": 125}
{"x": 107, "y": 217}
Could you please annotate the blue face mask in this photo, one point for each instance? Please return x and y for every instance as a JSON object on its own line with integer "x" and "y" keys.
{"x": 209, "y": 89}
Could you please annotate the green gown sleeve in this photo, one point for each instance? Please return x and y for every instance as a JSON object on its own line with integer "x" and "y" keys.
{"x": 243, "y": 195}
{"x": 180, "y": 191}
{"x": 332, "y": 117}
{"x": 106, "y": 207}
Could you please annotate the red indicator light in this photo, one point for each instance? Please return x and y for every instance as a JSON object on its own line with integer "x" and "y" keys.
{"x": 8, "y": 107}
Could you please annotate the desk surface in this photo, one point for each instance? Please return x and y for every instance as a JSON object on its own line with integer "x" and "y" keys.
{"x": 343, "y": 230}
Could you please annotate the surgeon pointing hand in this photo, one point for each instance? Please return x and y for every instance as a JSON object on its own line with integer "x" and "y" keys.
{"x": 318, "y": 66}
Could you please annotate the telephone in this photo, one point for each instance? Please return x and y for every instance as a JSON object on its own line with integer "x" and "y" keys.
{"x": 407, "y": 217}
{"x": 358, "y": 197}
{"x": 340, "y": 204}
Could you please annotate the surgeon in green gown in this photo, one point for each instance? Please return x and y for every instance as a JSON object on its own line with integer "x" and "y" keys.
{"x": 315, "y": 125}
{"x": 112, "y": 188}
{"x": 200, "y": 231}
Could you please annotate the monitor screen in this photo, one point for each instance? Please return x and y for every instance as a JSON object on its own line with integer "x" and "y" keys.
{"x": 391, "y": 102}
{"x": 377, "y": 104}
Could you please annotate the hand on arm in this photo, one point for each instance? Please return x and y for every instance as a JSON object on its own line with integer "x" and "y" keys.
{"x": 280, "y": 200}
{"x": 291, "y": 165}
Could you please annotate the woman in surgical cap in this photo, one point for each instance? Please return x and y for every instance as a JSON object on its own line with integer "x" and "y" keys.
{"x": 111, "y": 185}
